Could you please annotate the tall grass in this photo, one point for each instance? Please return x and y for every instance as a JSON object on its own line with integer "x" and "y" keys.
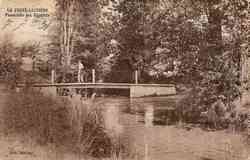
{"x": 78, "y": 127}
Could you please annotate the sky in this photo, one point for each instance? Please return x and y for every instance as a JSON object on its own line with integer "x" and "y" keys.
{"x": 23, "y": 29}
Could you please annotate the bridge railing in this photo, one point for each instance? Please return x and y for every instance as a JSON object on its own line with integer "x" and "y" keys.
{"x": 94, "y": 76}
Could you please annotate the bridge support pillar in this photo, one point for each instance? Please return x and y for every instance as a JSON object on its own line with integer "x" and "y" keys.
{"x": 142, "y": 91}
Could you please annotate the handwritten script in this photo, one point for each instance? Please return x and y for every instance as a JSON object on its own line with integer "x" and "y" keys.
{"x": 19, "y": 17}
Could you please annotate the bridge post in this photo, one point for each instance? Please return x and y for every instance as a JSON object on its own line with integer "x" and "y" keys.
{"x": 79, "y": 75}
{"x": 136, "y": 77}
{"x": 53, "y": 76}
{"x": 80, "y": 67}
{"x": 93, "y": 75}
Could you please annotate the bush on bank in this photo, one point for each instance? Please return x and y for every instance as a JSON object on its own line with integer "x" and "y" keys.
{"x": 203, "y": 106}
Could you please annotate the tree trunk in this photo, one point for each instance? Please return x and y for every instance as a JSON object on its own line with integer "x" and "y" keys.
{"x": 215, "y": 27}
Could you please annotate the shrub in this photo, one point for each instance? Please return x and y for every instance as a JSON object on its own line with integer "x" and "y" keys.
{"x": 203, "y": 105}
{"x": 9, "y": 70}
{"x": 189, "y": 107}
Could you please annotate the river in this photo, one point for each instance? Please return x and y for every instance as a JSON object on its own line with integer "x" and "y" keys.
{"x": 145, "y": 127}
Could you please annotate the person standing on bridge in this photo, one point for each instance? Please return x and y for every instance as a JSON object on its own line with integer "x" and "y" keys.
{"x": 80, "y": 72}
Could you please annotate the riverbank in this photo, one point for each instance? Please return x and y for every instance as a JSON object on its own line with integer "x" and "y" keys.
{"x": 24, "y": 127}
{"x": 143, "y": 141}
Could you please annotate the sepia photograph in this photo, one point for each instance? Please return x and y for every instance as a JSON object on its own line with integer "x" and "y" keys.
{"x": 124, "y": 79}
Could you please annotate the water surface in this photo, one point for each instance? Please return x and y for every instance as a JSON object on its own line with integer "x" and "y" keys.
{"x": 147, "y": 128}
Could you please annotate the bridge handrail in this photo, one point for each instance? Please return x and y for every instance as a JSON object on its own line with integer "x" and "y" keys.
{"x": 91, "y": 84}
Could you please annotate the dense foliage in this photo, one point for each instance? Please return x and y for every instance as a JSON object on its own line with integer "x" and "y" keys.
{"x": 9, "y": 63}
{"x": 195, "y": 43}
{"x": 201, "y": 45}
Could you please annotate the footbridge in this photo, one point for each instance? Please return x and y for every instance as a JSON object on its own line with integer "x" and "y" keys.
{"x": 136, "y": 90}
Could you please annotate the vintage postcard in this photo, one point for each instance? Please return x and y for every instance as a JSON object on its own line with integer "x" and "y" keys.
{"x": 124, "y": 80}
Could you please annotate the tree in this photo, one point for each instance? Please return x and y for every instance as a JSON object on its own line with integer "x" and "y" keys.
{"x": 132, "y": 37}
{"x": 74, "y": 33}
{"x": 9, "y": 61}
{"x": 75, "y": 25}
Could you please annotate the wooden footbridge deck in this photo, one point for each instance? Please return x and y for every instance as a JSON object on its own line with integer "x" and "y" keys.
{"x": 136, "y": 90}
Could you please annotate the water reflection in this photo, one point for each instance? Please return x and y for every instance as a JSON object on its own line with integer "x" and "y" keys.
{"x": 111, "y": 118}
{"x": 153, "y": 112}
{"x": 149, "y": 115}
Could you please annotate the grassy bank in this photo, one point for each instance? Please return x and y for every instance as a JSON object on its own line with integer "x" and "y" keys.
{"x": 78, "y": 129}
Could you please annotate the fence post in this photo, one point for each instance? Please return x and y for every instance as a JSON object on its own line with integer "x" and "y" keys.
{"x": 93, "y": 75}
{"x": 136, "y": 77}
{"x": 79, "y": 73}
{"x": 53, "y": 76}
